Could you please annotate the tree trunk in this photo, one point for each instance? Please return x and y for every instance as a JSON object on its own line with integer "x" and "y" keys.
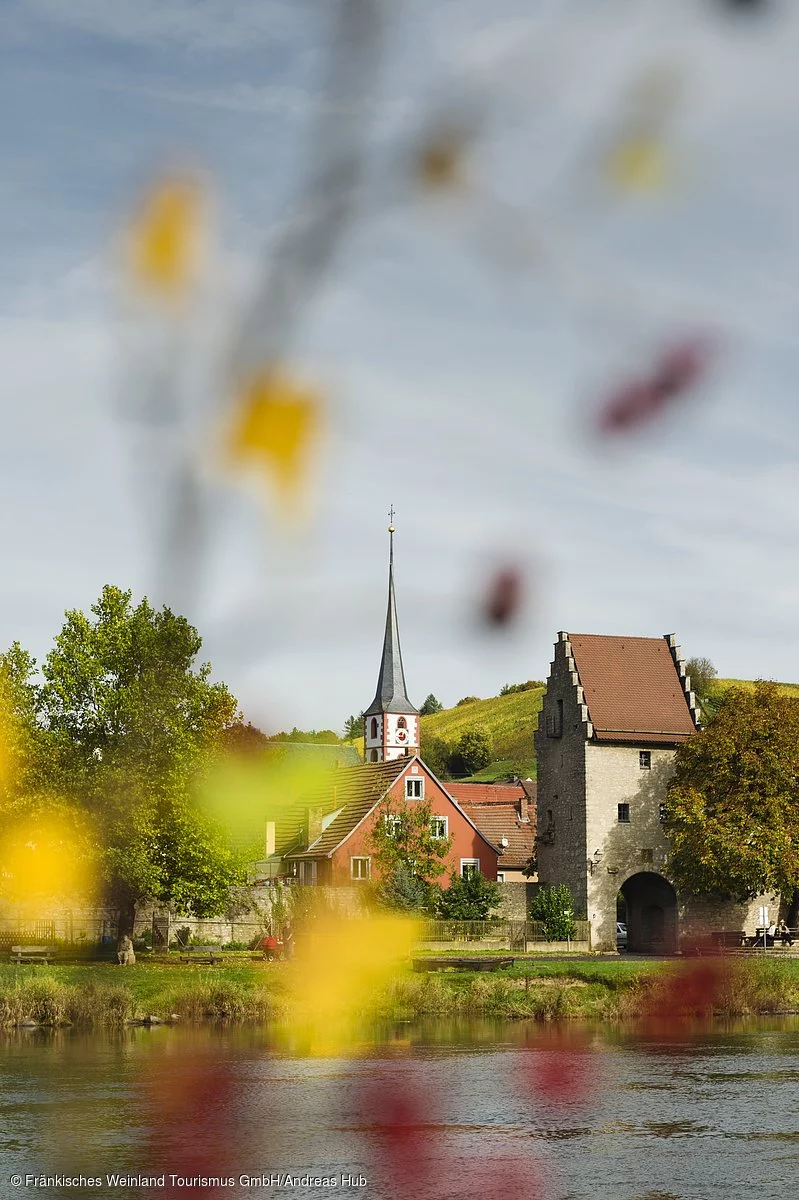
{"x": 126, "y": 915}
{"x": 792, "y": 919}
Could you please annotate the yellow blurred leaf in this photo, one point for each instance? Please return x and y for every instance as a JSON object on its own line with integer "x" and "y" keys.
{"x": 165, "y": 238}
{"x": 43, "y": 856}
{"x": 341, "y": 965}
{"x": 275, "y": 426}
{"x": 638, "y": 164}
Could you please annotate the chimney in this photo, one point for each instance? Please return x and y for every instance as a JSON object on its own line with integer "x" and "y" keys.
{"x": 313, "y": 824}
{"x": 270, "y": 838}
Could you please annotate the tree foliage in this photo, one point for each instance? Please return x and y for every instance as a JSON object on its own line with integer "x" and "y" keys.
{"x": 402, "y": 837}
{"x": 731, "y": 812}
{"x": 431, "y": 705}
{"x": 510, "y": 689}
{"x": 473, "y": 898}
{"x": 131, "y": 719}
{"x": 403, "y": 891}
{"x": 354, "y": 727}
{"x": 437, "y": 754}
{"x": 472, "y": 753}
{"x": 554, "y": 907}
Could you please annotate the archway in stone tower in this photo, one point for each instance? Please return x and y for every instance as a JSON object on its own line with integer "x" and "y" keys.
{"x": 651, "y": 914}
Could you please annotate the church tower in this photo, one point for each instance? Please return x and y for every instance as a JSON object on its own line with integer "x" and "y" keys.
{"x": 391, "y": 723}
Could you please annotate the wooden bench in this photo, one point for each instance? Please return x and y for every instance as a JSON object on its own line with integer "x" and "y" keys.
{"x": 461, "y": 964}
{"x": 201, "y": 954}
{"x": 728, "y": 939}
{"x": 32, "y": 954}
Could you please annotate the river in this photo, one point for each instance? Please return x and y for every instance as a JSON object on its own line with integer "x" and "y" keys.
{"x": 424, "y": 1111}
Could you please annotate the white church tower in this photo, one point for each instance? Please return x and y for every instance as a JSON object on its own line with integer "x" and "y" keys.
{"x": 391, "y": 723}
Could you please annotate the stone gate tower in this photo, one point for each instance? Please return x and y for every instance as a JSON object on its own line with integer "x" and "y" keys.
{"x": 615, "y": 711}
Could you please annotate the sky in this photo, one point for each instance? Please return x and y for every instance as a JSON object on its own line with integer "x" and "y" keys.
{"x": 462, "y": 340}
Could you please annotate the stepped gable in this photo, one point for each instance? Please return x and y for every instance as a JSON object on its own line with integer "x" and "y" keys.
{"x": 635, "y": 688}
{"x": 354, "y": 791}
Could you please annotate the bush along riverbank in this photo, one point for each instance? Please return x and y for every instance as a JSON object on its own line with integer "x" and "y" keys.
{"x": 102, "y": 997}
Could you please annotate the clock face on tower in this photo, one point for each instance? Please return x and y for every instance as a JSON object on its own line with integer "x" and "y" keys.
{"x": 401, "y": 735}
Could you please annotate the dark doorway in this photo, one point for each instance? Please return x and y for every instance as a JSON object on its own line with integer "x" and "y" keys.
{"x": 651, "y": 905}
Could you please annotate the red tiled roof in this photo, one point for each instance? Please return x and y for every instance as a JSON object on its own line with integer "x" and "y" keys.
{"x": 355, "y": 791}
{"x": 486, "y": 793}
{"x": 497, "y": 821}
{"x": 632, "y": 688}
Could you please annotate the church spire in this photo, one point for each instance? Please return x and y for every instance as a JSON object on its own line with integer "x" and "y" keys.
{"x": 391, "y": 720}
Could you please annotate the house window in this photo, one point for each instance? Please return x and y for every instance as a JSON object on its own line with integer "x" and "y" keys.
{"x": 360, "y": 868}
{"x": 645, "y": 760}
{"x": 470, "y": 867}
{"x": 393, "y": 823}
{"x": 438, "y": 827}
{"x": 414, "y": 789}
{"x": 373, "y": 727}
{"x": 647, "y": 856}
{"x": 500, "y": 876}
{"x": 308, "y": 872}
{"x": 624, "y": 814}
{"x": 662, "y": 812}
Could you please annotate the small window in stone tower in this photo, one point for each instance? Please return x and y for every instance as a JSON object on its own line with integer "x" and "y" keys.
{"x": 624, "y": 814}
{"x": 645, "y": 760}
{"x": 373, "y": 727}
{"x": 647, "y": 856}
{"x": 402, "y": 723}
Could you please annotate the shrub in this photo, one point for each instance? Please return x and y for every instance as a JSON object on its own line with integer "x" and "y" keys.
{"x": 467, "y": 700}
{"x": 474, "y": 898}
{"x": 554, "y": 907}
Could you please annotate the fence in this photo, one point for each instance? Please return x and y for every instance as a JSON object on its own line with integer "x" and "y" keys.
{"x": 499, "y": 934}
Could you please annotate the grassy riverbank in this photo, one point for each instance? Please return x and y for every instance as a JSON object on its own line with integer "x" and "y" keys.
{"x": 106, "y": 996}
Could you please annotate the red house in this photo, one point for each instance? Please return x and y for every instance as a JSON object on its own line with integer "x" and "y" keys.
{"x": 340, "y": 822}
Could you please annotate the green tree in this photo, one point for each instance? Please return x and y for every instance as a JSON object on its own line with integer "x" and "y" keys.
{"x": 703, "y": 676}
{"x": 731, "y": 810}
{"x": 554, "y": 907}
{"x": 243, "y": 739}
{"x": 430, "y": 706}
{"x": 403, "y": 891}
{"x": 473, "y": 898}
{"x": 132, "y": 720}
{"x": 472, "y": 753}
{"x": 437, "y": 755}
{"x": 403, "y": 838}
{"x": 354, "y": 727}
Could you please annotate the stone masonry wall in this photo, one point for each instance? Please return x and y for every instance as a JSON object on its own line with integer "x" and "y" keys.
{"x": 613, "y": 777}
{"x": 561, "y": 842}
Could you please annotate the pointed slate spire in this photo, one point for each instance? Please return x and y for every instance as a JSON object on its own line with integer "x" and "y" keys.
{"x": 391, "y": 695}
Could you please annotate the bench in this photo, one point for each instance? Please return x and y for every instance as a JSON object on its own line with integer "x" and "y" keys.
{"x": 727, "y": 939}
{"x": 201, "y": 954}
{"x": 32, "y": 954}
{"x": 461, "y": 964}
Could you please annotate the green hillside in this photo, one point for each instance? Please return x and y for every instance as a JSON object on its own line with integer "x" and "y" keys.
{"x": 509, "y": 721}
{"x": 748, "y": 685}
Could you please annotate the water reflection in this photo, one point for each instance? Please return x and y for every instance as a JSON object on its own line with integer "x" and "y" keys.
{"x": 426, "y": 1111}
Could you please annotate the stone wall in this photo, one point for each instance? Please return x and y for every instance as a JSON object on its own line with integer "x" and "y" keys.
{"x": 516, "y": 899}
{"x": 561, "y": 840}
{"x": 619, "y": 850}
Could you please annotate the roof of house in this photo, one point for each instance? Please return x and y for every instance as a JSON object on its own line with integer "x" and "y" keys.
{"x": 352, "y": 794}
{"x": 490, "y": 793}
{"x": 501, "y": 822}
{"x": 354, "y": 791}
{"x": 498, "y": 810}
{"x": 632, "y": 687}
{"x": 391, "y": 694}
